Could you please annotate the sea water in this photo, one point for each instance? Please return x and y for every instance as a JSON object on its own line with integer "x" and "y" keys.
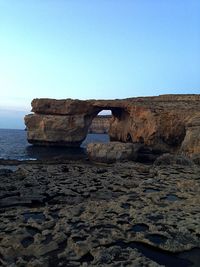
{"x": 14, "y": 145}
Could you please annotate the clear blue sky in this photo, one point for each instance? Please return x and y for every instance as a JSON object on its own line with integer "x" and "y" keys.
{"x": 96, "y": 49}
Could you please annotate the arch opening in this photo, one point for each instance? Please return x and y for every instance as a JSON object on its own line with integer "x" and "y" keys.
{"x": 99, "y": 127}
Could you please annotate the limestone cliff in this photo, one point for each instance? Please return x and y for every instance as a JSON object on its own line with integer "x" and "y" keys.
{"x": 100, "y": 124}
{"x": 164, "y": 123}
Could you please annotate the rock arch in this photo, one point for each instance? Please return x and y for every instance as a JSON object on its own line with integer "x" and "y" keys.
{"x": 166, "y": 122}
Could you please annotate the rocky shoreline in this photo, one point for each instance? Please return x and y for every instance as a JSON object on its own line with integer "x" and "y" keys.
{"x": 78, "y": 213}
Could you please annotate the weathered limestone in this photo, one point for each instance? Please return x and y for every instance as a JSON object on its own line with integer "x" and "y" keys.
{"x": 191, "y": 142}
{"x": 80, "y": 214}
{"x": 112, "y": 152}
{"x": 167, "y": 123}
{"x": 100, "y": 124}
{"x": 56, "y": 130}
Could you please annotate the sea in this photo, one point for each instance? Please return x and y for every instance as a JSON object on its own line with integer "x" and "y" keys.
{"x": 14, "y": 146}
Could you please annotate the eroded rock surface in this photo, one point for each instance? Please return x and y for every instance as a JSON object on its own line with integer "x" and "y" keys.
{"x": 100, "y": 124}
{"x": 112, "y": 152}
{"x": 79, "y": 214}
{"x": 57, "y": 130}
{"x": 163, "y": 123}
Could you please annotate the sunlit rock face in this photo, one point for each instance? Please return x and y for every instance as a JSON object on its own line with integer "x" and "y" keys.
{"x": 168, "y": 123}
{"x": 191, "y": 142}
{"x": 56, "y": 130}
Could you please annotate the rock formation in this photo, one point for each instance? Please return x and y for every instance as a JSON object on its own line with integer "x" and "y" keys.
{"x": 112, "y": 152}
{"x": 80, "y": 214}
{"x": 167, "y": 123}
{"x": 100, "y": 124}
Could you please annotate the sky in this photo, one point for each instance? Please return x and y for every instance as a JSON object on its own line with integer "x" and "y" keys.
{"x": 95, "y": 49}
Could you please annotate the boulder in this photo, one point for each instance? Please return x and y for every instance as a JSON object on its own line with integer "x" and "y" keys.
{"x": 112, "y": 152}
{"x": 170, "y": 159}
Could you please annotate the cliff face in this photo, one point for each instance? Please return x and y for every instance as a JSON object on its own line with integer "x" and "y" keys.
{"x": 100, "y": 124}
{"x": 164, "y": 123}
